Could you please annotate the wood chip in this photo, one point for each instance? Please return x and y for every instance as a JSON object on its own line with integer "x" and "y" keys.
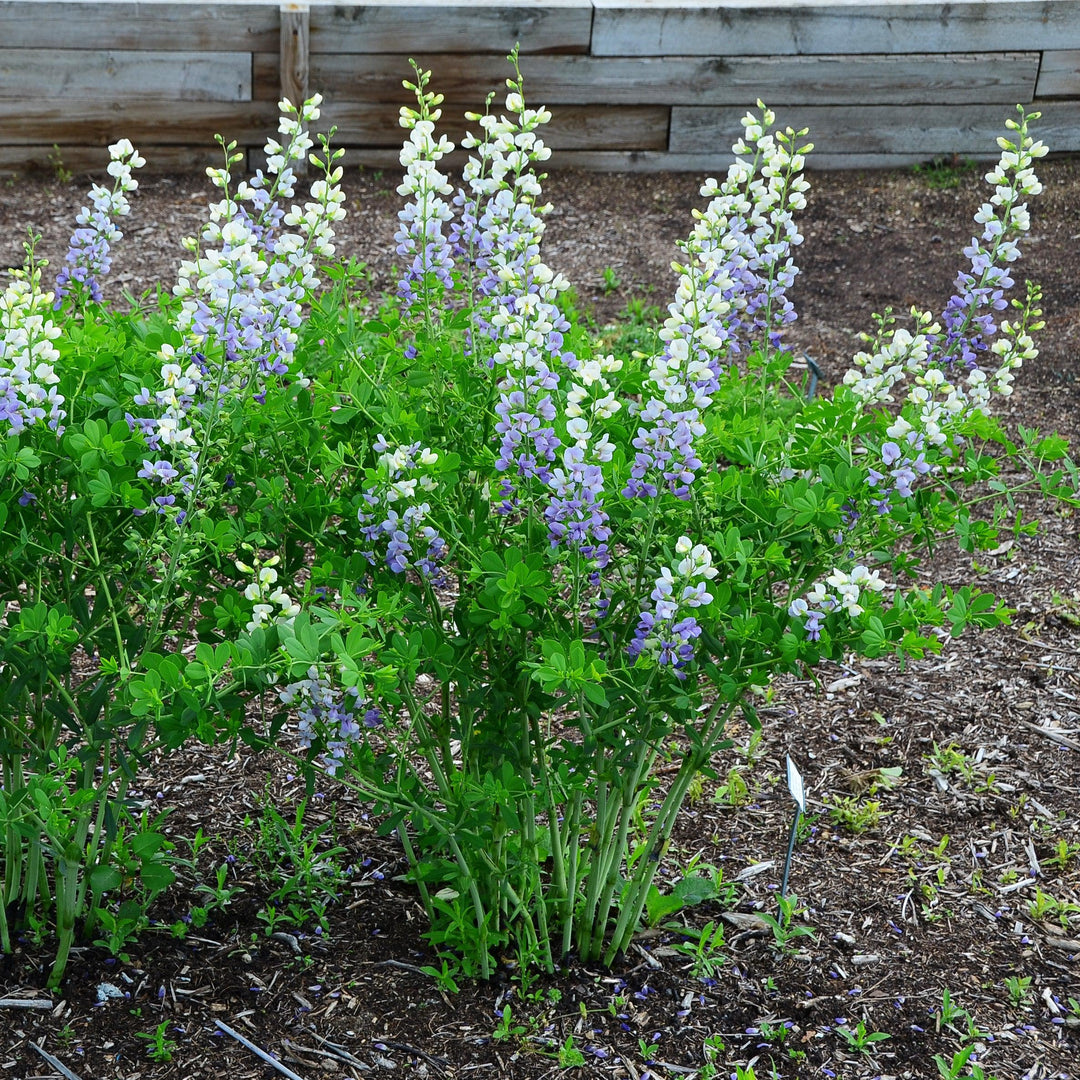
{"x": 58, "y": 1065}
{"x": 269, "y": 1059}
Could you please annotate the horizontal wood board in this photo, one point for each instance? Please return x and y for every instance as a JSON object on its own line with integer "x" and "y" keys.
{"x": 542, "y": 27}
{"x": 712, "y": 163}
{"x": 639, "y": 127}
{"x": 986, "y": 78}
{"x": 1059, "y": 74}
{"x": 757, "y": 27}
{"x": 201, "y": 27}
{"x": 922, "y": 130}
{"x": 93, "y": 160}
{"x": 115, "y": 74}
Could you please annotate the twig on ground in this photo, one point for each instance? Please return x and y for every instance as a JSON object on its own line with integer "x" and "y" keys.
{"x": 58, "y": 1065}
{"x": 1053, "y": 736}
{"x": 25, "y": 1003}
{"x": 268, "y": 1058}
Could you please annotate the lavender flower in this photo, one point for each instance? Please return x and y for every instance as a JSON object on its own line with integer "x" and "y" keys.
{"x": 391, "y": 515}
{"x": 420, "y": 237}
{"x": 944, "y": 361}
{"x": 325, "y": 712}
{"x": 87, "y": 259}
{"x": 241, "y": 298}
{"x": 28, "y": 379}
{"x": 731, "y": 286}
{"x": 847, "y": 588}
{"x": 667, "y": 632}
{"x": 518, "y": 311}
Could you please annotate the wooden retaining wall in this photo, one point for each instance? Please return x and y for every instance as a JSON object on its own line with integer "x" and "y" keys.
{"x": 633, "y": 84}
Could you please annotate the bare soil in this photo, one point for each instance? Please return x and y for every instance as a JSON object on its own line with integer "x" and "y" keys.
{"x": 939, "y": 891}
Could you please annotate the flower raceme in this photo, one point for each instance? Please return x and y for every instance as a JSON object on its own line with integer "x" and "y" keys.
{"x": 242, "y": 296}
{"x": 731, "y": 288}
{"x": 28, "y": 379}
{"x": 391, "y": 515}
{"x": 420, "y": 237}
{"x": 666, "y": 633}
{"x": 944, "y": 364}
{"x": 271, "y": 603}
{"x": 87, "y": 259}
{"x": 321, "y": 706}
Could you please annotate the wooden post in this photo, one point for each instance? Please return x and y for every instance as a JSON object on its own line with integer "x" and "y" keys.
{"x": 295, "y": 20}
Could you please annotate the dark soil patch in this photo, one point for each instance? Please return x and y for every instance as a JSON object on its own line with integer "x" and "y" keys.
{"x": 900, "y": 915}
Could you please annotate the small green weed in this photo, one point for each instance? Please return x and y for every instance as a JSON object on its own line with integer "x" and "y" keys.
{"x": 784, "y": 929}
{"x": 705, "y": 950}
{"x": 855, "y": 815}
{"x": 159, "y": 1048}
{"x": 945, "y": 173}
{"x": 56, "y": 162}
{"x": 860, "y": 1039}
{"x": 1019, "y": 988}
{"x": 570, "y": 1057}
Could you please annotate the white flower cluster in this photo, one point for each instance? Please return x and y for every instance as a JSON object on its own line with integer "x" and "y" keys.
{"x": 508, "y": 148}
{"x": 241, "y": 296}
{"x": 272, "y": 603}
{"x": 87, "y": 258}
{"x": 874, "y": 374}
{"x": 731, "y": 292}
{"x": 590, "y": 393}
{"x": 847, "y": 588}
{"x": 123, "y": 157}
{"x": 28, "y": 378}
{"x": 949, "y": 381}
{"x": 420, "y": 235}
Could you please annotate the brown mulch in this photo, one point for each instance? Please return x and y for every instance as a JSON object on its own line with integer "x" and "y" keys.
{"x": 934, "y": 895}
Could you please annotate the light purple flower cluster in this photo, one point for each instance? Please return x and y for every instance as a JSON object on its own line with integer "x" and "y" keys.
{"x": 848, "y": 588}
{"x": 899, "y": 471}
{"x": 667, "y": 632}
{"x": 390, "y": 513}
{"x": 575, "y": 513}
{"x": 87, "y": 259}
{"x": 164, "y": 472}
{"x": 241, "y": 297}
{"x": 967, "y": 319}
{"x": 733, "y": 286}
{"x": 28, "y": 379}
{"x": 338, "y": 716}
{"x": 499, "y": 237}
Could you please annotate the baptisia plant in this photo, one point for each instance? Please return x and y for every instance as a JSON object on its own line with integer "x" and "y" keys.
{"x": 461, "y": 556}
{"x": 570, "y": 566}
{"x": 117, "y": 526}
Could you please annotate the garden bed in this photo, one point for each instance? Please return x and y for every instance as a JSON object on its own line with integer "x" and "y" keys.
{"x": 931, "y": 892}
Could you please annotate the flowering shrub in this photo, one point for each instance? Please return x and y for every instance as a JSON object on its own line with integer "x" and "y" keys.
{"x": 465, "y": 560}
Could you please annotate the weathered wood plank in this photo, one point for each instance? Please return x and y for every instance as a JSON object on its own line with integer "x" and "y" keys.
{"x": 1059, "y": 74}
{"x": 701, "y": 165}
{"x": 68, "y": 122}
{"x": 638, "y": 127}
{"x": 71, "y": 122}
{"x": 203, "y": 27}
{"x": 92, "y": 160}
{"x": 100, "y": 73}
{"x": 921, "y": 130}
{"x": 768, "y": 27}
{"x": 494, "y": 26}
{"x": 684, "y": 80}
{"x": 294, "y": 67}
